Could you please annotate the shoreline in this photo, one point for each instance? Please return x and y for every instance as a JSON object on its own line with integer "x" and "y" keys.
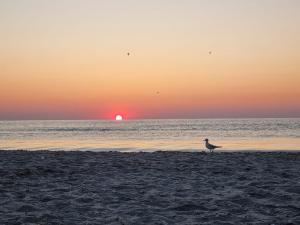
{"x": 130, "y": 150}
{"x": 164, "y": 187}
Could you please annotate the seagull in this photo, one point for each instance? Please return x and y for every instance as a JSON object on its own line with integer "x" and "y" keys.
{"x": 210, "y": 146}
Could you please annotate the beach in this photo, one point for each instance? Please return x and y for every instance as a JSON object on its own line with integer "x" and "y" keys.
{"x": 186, "y": 188}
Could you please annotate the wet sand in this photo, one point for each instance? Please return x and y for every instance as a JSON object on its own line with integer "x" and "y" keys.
{"x": 149, "y": 188}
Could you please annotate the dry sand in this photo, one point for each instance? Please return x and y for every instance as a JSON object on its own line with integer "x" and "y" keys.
{"x": 149, "y": 188}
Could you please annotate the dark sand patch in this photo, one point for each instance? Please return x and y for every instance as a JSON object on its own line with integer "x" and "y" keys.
{"x": 149, "y": 188}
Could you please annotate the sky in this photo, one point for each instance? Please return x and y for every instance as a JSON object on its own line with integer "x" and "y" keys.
{"x": 67, "y": 59}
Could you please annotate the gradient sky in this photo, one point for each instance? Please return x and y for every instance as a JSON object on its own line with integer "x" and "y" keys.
{"x": 67, "y": 59}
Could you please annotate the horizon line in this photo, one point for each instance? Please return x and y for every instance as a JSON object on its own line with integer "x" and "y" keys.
{"x": 132, "y": 119}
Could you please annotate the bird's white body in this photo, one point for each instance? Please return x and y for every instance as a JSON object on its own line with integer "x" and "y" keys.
{"x": 209, "y": 146}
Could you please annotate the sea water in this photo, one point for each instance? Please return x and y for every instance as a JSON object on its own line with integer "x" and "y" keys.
{"x": 151, "y": 135}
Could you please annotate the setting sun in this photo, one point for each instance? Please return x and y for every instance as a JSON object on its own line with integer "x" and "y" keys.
{"x": 119, "y": 118}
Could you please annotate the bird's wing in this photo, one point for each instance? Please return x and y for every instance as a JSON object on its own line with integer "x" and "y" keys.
{"x": 214, "y": 146}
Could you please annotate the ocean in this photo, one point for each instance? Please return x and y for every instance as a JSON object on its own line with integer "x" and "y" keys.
{"x": 151, "y": 135}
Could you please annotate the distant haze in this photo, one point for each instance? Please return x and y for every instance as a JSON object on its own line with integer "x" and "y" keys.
{"x": 76, "y": 59}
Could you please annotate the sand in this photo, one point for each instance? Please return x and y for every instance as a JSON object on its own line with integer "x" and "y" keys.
{"x": 149, "y": 188}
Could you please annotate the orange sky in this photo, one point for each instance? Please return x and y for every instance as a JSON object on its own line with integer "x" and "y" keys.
{"x": 68, "y": 59}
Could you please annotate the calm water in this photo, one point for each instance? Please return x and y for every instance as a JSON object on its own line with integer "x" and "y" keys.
{"x": 151, "y": 135}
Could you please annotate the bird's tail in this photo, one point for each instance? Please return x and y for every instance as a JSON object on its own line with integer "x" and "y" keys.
{"x": 219, "y": 147}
